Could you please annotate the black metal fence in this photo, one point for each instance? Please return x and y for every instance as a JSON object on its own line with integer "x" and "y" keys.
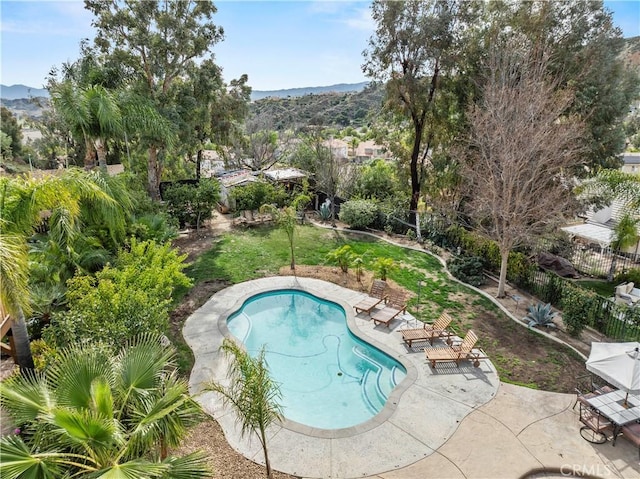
{"x": 617, "y": 321}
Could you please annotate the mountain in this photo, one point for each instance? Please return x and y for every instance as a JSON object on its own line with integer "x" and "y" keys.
{"x": 338, "y": 110}
{"x": 16, "y": 92}
{"x": 312, "y": 90}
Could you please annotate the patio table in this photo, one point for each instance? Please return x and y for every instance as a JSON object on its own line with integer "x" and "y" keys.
{"x": 611, "y": 406}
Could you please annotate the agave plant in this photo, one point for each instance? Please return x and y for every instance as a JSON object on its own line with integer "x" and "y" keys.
{"x": 541, "y": 315}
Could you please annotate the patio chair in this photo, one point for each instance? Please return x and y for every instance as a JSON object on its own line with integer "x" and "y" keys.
{"x": 429, "y": 332}
{"x": 375, "y": 297}
{"x": 632, "y": 433}
{"x": 596, "y": 427}
{"x": 457, "y": 352}
{"x": 396, "y": 304}
{"x": 586, "y": 388}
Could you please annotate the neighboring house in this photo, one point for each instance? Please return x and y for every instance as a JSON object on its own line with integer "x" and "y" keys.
{"x": 598, "y": 224}
{"x": 369, "y": 150}
{"x": 287, "y": 177}
{"x": 338, "y": 148}
{"x": 631, "y": 163}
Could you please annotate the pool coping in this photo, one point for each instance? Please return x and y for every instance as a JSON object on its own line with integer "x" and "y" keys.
{"x": 393, "y": 398}
{"x": 401, "y": 434}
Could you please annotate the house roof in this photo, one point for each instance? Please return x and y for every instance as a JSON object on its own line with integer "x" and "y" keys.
{"x": 591, "y": 232}
{"x": 230, "y": 179}
{"x": 631, "y": 158}
{"x": 284, "y": 174}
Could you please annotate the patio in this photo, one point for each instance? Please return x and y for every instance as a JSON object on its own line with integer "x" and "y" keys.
{"x": 441, "y": 421}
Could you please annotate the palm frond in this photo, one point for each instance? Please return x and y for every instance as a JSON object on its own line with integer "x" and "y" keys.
{"x": 191, "y": 466}
{"x": 17, "y": 461}
{"x": 14, "y": 263}
{"x": 25, "y": 397}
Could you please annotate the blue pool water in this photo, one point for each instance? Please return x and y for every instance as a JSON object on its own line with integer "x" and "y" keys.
{"x": 328, "y": 377}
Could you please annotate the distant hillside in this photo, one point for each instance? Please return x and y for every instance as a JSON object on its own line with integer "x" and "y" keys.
{"x": 327, "y": 109}
{"x": 631, "y": 52}
{"x": 25, "y": 107}
{"x": 312, "y": 90}
{"x": 16, "y": 92}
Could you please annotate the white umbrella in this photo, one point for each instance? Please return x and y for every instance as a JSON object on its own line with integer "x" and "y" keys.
{"x": 618, "y": 364}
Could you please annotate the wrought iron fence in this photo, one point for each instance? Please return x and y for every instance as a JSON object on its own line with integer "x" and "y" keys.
{"x": 617, "y": 321}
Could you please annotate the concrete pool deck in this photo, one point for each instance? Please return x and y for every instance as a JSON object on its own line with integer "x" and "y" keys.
{"x": 447, "y": 423}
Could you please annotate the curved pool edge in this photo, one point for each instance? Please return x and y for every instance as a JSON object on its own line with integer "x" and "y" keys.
{"x": 429, "y": 405}
{"x": 393, "y": 398}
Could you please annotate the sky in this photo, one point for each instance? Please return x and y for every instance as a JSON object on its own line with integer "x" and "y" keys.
{"x": 278, "y": 44}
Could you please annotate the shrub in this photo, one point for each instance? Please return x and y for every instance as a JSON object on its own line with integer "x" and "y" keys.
{"x": 192, "y": 204}
{"x": 468, "y": 269}
{"x": 383, "y": 266}
{"x": 541, "y": 315}
{"x": 342, "y": 256}
{"x": 579, "y": 307}
{"x": 632, "y": 275}
{"x": 120, "y": 302}
{"x": 359, "y": 213}
{"x": 252, "y": 196}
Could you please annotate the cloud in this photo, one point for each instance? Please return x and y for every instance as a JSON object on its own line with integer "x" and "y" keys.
{"x": 361, "y": 20}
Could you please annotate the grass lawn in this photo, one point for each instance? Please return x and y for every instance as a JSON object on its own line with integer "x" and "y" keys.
{"x": 520, "y": 355}
{"x": 601, "y": 287}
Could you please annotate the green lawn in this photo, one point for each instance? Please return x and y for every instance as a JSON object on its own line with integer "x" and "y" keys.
{"x": 255, "y": 253}
{"x": 520, "y": 355}
{"x": 603, "y": 288}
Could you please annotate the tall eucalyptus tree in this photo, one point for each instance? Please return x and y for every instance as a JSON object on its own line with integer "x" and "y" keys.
{"x": 416, "y": 50}
{"x": 160, "y": 42}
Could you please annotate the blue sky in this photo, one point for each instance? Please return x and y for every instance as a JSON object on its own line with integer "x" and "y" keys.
{"x": 279, "y": 44}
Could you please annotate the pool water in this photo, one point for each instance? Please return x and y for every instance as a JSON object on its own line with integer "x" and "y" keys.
{"x": 328, "y": 377}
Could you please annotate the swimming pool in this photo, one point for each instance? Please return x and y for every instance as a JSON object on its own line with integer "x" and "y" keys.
{"x": 328, "y": 377}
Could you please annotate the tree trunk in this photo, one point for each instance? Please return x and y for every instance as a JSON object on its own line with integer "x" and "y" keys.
{"x": 293, "y": 259}
{"x": 333, "y": 210}
{"x": 22, "y": 353}
{"x": 153, "y": 174}
{"x": 102, "y": 154}
{"x": 612, "y": 269}
{"x": 267, "y": 464}
{"x": 418, "y": 232}
{"x": 504, "y": 255}
{"x": 89, "y": 156}
{"x": 198, "y": 163}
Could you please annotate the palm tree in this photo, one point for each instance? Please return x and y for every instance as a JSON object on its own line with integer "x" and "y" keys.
{"x": 23, "y": 201}
{"x": 287, "y": 220}
{"x": 251, "y": 392}
{"x": 95, "y": 415}
{"x": 625, "y": 234}
{"x": 90, "y": 112}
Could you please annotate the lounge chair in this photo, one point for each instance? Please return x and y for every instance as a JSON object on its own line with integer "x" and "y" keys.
{"x": 429, "y": 332}
{"x": 396, "y": 304}
{"x": 457, "y": 352}
{"x": 375, "y": 297}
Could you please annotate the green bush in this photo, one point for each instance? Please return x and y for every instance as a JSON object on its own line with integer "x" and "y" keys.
{"x": 579, "y": 309}
{"x": 359, "y": 213}
{"x": 383, "y": 266}
{"x": 342, "y": 256}
{"x": 192, "y": 204}
{"x": 468, "y": 269}
{"x": 632, "y": 275}
{"x": 252, "y": 196}
{"x": 119, "y": 302}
